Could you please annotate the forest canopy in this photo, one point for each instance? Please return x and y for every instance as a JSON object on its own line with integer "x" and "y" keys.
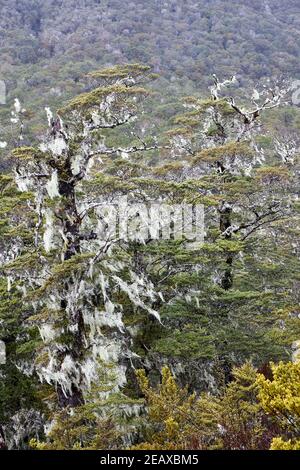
{"x": 149, "y": 247}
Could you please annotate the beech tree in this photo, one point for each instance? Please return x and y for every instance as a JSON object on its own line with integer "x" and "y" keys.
{"x": 68, "y": 274}
{"x": 231, "y": 298}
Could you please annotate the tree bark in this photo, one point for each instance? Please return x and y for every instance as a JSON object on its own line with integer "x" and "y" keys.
{"x": 71, "y": 228}
{"x": 225, "y": 223}
{"x": 3, "y": 445}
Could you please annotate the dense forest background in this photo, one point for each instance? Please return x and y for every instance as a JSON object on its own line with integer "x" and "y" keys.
{"x": 47, "y": 46}
{"x": 149, "y": 344}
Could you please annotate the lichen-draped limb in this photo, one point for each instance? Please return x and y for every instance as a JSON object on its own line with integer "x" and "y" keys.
{"x": 73, "y": 278}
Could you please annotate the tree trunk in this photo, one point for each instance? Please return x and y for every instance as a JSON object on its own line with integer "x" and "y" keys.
{"x": 3, "y": 445}
{"x": 74, "y": 399}
{"x": 225, "y": 223}
{"x": 71, "y": 228}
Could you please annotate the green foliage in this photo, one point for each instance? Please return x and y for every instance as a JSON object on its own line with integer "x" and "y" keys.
{"x": 234, "y": 419}
{"x": 189, "y": 343}
{"x": 101, "y": 423}
{"x": 28, "y": 153}
{"x": 177, "y": 419}
{"x": 86, "y": 101}
{"x": 241, "y": 415}
{"x": 121, "y": 71}
{"x": 279, "y": 444}
{"x": 17, "y": 391}
{"x": 280, "y": 397}
{"x": 80, "y": 429}
{"x": 231, "y": 149}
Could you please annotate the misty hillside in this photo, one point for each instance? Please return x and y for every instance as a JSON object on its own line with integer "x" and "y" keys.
{"x": 47, "y": 45}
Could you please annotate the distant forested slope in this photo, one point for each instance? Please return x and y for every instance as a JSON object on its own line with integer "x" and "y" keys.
{"x": 47, "y": 45}
{"x": 186, "y": 38}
